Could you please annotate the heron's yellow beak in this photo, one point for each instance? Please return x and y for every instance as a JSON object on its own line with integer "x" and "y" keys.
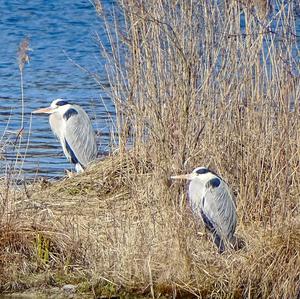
{"x": 188, "y": 176}
{"x": 47, "y": 110}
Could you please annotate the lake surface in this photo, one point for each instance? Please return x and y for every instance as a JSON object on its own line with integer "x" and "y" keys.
{"x": 61, "y": 34}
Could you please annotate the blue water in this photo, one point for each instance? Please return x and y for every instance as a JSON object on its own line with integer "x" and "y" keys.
{"x": 61, "y": 34}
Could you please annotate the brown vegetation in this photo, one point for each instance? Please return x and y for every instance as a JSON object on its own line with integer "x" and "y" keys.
{"x": 190, "y": 89}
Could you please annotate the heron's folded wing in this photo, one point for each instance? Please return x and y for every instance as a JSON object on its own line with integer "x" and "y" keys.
{"x": 79, "y": 135}
{"x": 218, "y": 206}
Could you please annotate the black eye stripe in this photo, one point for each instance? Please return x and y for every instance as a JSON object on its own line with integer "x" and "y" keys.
{"x": 206, "y": 170}
{"x": 202, "y": 171}
{"x": 61, "y": 103}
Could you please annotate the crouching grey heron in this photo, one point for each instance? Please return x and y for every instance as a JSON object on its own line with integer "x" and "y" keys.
{"x": 211, "y": 198}
{"x": 73, "y": 128}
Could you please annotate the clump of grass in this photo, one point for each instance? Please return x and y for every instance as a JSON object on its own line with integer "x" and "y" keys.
{"x": 190, "y": 87}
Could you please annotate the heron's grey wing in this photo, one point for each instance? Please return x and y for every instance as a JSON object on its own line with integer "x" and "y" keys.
{"x": 79, "y": 136}
{"x": 219, "y": 207}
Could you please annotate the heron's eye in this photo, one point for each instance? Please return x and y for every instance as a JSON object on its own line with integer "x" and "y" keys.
{"x": 202, "y": 171}
{"x": 61, "y": 103}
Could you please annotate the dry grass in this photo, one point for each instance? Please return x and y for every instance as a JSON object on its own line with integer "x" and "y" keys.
{"x": 117, "y": 228}
{"x": 190, "y": 89}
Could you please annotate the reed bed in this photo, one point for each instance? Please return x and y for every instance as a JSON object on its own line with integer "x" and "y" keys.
{"x": 212, "y": 83}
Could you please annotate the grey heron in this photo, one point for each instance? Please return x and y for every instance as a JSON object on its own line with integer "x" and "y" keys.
{"x": 73, "y": 128}
{"x": 211, "y": 197}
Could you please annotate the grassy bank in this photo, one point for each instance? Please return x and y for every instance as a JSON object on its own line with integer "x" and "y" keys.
{"x": 190, "y": 88}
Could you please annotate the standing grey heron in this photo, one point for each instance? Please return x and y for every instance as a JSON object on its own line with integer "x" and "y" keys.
{"x": 73, "y": 128}
{"x": 211, "y": 198}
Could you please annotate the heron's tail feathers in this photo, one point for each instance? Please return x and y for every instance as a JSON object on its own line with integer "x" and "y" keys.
{"x": 219, "y": 242}
{"x": 79, "y": 168}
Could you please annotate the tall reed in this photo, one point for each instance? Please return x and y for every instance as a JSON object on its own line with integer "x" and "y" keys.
{"x": 213, "y": 83}
{"x": 216, "y": 84}
{"x": 23, "y": 58}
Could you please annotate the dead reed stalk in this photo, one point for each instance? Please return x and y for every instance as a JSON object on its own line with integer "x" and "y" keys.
{"x": 23, "y": 58}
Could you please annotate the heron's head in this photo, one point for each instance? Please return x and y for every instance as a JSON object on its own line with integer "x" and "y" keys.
{"x": 200, "y": 173}
{"x": 55, "y": 106}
